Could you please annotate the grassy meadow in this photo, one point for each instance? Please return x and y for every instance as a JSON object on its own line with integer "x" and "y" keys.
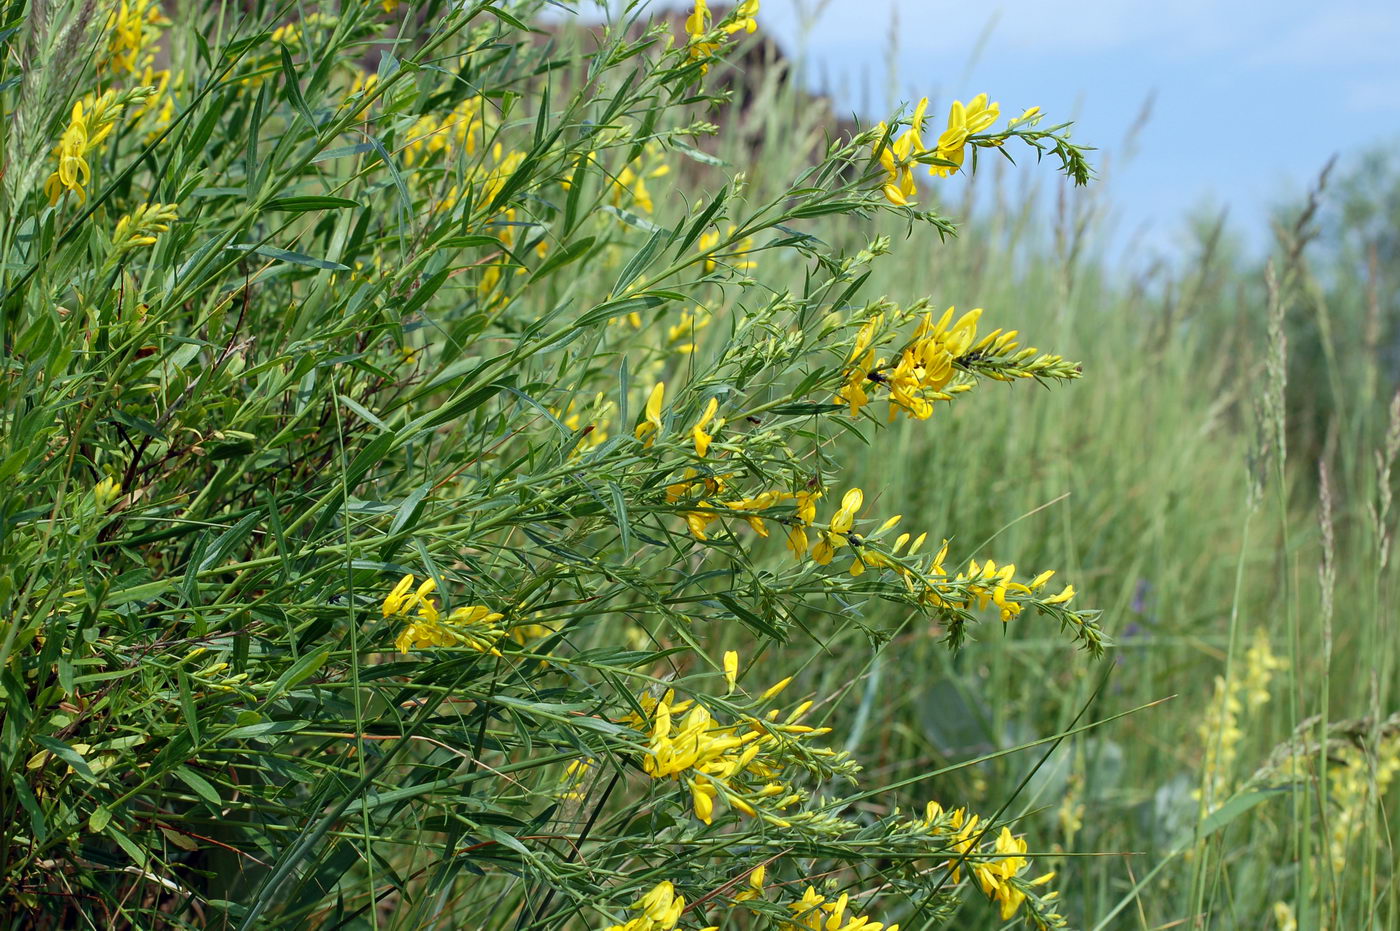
{"x": 466, "y": 471}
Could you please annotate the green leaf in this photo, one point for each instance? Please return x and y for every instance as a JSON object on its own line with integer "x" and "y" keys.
{"x": 641, "y": 259}
{"x": 227, "y": 541}
{"x": 262, "y": 728}
{"x": 310, "y": 202}
{"x": 295, "y": 258}
{"x": 137, "y": 855}
{"x": 293, "y": 86}
{"x": 199, "y": 785}
{"x": 506, "y": 18}
{"x": 1235, "y": 807}
{"x": 341, "y": 151}
{"x": 411, "y": 507}
{"x": 68, "y": 755}
{"x": 298, "y": 672}
{"x": 619, "y": 308}
{"x": 570, "y": 253}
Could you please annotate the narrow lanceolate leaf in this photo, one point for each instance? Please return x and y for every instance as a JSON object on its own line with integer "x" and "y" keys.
{"x": 309, "y": 203}
{"x": 295, "y": 258}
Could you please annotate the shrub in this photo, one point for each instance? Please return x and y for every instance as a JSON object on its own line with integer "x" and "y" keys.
{"x": 408, "y": 498}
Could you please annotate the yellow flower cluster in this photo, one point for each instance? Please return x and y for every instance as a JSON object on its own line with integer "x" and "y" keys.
{"x": 476, "y": 627}
{"x": 91, "y": 122}
{"x": 461, "y": 128}
{"x": 836, "y": 534}
{"x": 999, "y": 867}
{"x": 680, "y": 336}
{"x": 742, "y": 763}
{"x": 651, "y": 421}
{"x": 1221, "y": 729}
{"x": 738, "y": 259}
{"x": 139, "y": 228}
{"x": 965, "y": 122}
{"x": 979, "y": 586}
{"x": 595, "y": 429}
{"x": 660, "y": 910}
{"x": 293, "y": 33}
{"x": 697, "y": 27}
{"x": 814, "y": 912}
{"x": 363, "y": 82}
{"x": 993, "y": 584}
{"x": 699, "y": 24}
{"x": 575, "y": 774}
{"x": 926, "y": 366}
{"x": 630, "y": 185}
{"x": 897, "y": 158}
{"x": 160, "y": 102}
{"x": 132, "y": 27}
{"x": 742, "y": 19}
{"x": 1356, "y": 785}
{"x": 705, "y": 513}
{"x": 105, "y": 492}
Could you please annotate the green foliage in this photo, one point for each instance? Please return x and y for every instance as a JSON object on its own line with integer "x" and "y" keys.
{"x": 283, "y": 337}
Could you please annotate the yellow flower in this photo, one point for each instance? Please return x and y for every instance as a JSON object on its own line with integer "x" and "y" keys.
{"x": 139, "y": 228}
{"x": 743, "y": 18}
{"x": 697, "y": 26}
{"x": 476, "y": 627}
{"x": 851, "y": 502}
{"x": 926, "y": 365}
{"x": 813, "y": 912}
{"x": 105, "y": 492}
{"x": 731, "y": 669}
{"x": 963, "y": 122}
{"x": 709, "y": 241}
{"x": 660, "y": 910}
{"x": 632, "y": 180}
{"x": 398, "y": 601}
{"x": 741, "y": 764}
{"x": 91, "y": 122}
{"x": 897, "y": 158}
{"x": 159, "y": 102}
{"x": 652, "y": 423}
{"x": 759, "y": 502}
{"x": 132, "y": 25}
{"x": 698, "y": 433}
{"x": 73, "y": 172}
{"x": 1030, "y": 115}
{"x": 852, "y": 392}
{"x": 835, "y": 538}
{"x": 575, "y": 774}
{"x": 755, "y": 889}
{"x": 698, "y": 22}
{"x": 697, "y": 521}
{"x": 797, "y": 541}
{"x": 865, "y": 336}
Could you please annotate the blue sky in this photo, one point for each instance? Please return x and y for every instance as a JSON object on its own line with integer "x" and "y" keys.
{"x": 1250, "y": 97}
